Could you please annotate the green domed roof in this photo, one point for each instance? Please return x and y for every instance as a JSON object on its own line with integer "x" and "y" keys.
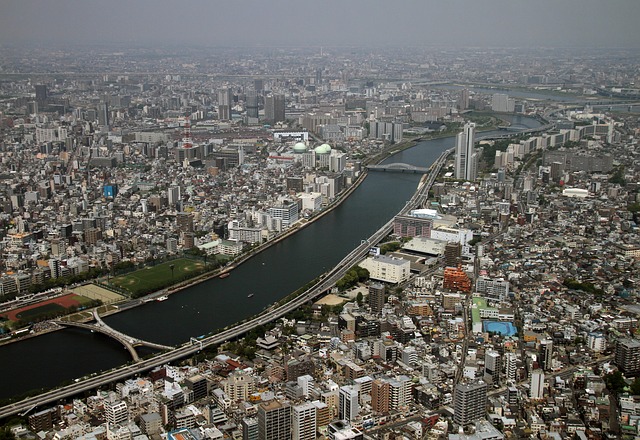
{"x": 300, "y": 147}
{"x": 323, "y": 149}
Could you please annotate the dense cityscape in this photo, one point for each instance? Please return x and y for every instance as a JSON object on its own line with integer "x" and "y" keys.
{"x": 504, "y": 306}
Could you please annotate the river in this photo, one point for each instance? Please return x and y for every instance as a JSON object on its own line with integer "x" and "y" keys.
{"x": 50, "y": 359}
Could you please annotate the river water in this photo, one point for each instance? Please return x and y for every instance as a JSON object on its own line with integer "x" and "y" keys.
{"x": 48, "y": 360}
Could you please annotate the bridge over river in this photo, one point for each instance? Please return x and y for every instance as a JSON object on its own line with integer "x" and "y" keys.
{"x": 129, "y": 342}
{"x": 398, "y": 168}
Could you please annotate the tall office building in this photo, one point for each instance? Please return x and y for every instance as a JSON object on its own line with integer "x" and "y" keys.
{"x": 274, "y": 420}
{"x": 41, "y": 92}
{"x": 466, "y": 157}
{"x": 537, "y": 385}
{"x": 628, "y": 356}
{"x": 303, "y": 422}
{"x": 173, "y": 196}
{"x": 103, "y": 115}
{"x": 492, "y": 367}
{"x": 225, "y": 102}
{"x": 258, "y": 84}
{"x": 463, "y": 99}
{"x": 348, "y": 405}
{"x": 546, "y": 350}
{"x": 376, "y": 297}
{"x": 252, "y": 104}
{"x": 274, "y": 109}
{"x": 470, "y": 402}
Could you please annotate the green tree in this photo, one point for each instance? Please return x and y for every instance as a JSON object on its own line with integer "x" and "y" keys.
{"x": 634, "y": 207}
{"x": 635, "y": 386}
{"x": 6, "y": 434}
{"x": 615, "y": 382}
{"x": 618, "y": 177}
{"x": 359, "y": 298}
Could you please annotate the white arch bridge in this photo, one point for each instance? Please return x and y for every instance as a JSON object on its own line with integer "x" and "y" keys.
{"x": 398, "y": 167}
{"x": 129, "y": 342}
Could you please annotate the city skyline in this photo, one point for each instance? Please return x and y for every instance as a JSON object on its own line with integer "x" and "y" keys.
{"x": 493, "y": 23}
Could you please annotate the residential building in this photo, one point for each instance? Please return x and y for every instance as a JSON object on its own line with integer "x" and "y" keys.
{"x": 466, "y": 161}
{"x": 274, "y": 420}
{"x": 303, "y": 421}
{"x": 470, "y": 401}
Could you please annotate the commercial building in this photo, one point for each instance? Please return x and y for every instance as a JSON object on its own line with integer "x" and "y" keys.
{"x": 225, "y": 102}
{"x": 287, "y": 211}
{"x": 274, "y": 109}
{"x": 387, "y": 269}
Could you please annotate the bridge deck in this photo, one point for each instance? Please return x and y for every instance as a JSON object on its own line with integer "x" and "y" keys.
{"x": 398, "y": 167}
{"x": 129, "y": 342}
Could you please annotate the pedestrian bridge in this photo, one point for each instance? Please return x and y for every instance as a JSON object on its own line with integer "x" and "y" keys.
{"x": 129, "y": 342}
{"x": 398, "y": 168}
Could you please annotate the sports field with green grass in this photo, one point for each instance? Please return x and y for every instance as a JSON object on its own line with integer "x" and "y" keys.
{"x": 154, "y": 278}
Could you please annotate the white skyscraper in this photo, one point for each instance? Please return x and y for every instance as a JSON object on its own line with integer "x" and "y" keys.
{"x": 510, "y": 360}
{"x": 466, "y": 157}
{"x": 348, "y": 403}
{"x": 537, "y": 385}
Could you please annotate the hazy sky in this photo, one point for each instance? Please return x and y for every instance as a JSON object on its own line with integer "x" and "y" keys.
{"x": 590, "y": 23}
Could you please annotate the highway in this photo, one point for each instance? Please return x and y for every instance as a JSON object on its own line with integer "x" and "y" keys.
{"x": 193, "y": 346}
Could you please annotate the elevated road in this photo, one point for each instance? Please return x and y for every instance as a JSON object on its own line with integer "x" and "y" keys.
{"x": 129, "y": 342}
{"x": 189, "y": 348}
